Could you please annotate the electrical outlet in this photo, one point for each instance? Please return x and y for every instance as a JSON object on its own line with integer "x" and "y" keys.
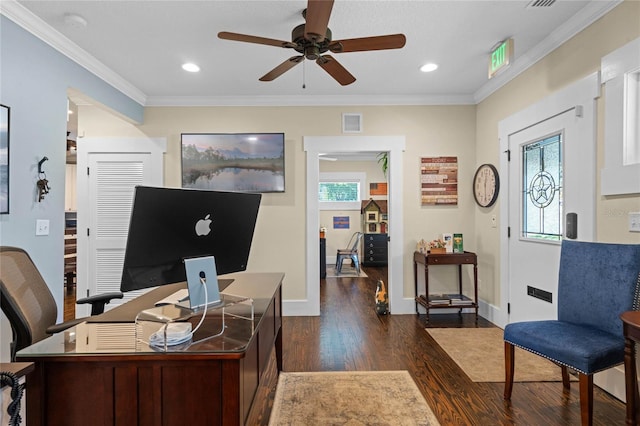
{"x": 42, "y": 227}
{"x": 634, "y": 222}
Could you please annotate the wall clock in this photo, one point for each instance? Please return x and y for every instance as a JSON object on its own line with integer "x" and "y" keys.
{"x": 486, "y": 185}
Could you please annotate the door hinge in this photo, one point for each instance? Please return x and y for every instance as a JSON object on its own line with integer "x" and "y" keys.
{"x": 508, "y": 232}
{"x": 87, "y": 171}
{"x": 87, "y": 292}
{"x": 508, "y": 308}
{"x": 87, "y": 232}
{"x": 508, "y": 152}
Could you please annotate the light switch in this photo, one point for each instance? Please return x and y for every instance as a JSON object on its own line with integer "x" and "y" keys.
{"x": 634, "y": 222}
{"x": 42, "y": 227}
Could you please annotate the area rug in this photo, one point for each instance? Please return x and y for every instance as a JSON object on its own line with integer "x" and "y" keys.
{"x": 348, "y": 271}
{"x": 351, "y": 398}
{"x": 480, "y": 353}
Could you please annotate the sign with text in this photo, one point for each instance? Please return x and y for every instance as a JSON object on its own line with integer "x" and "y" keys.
{"x": 341, "y": 222}
{"x": 501, "y": 56}
{"x": 439, "y": 181}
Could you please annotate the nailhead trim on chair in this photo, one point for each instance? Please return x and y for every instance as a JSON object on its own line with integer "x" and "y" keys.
{"x": 559, "y": 362}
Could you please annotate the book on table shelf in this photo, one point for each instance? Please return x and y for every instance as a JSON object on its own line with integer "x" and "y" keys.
{"x": 438, "y": 299}
{"x": 459, "y": 299}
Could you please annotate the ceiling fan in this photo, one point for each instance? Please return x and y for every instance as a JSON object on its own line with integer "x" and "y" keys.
{"x": 313, "y": 39}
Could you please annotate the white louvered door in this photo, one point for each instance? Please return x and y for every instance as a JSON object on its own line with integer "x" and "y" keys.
{"x": 106, "y": 182}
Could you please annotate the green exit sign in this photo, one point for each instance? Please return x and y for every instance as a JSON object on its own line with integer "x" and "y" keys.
{"x": 501, "y": 56}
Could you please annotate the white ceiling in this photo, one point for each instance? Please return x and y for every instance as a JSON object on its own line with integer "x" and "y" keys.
{"x": 139, "y": 47}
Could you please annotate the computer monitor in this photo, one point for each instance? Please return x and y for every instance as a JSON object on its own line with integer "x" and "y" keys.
{"x": 169, "y": 225}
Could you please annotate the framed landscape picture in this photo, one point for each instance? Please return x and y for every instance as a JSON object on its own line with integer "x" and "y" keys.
{"x": 243, "y": 162}
{"x": 4, "y": 159}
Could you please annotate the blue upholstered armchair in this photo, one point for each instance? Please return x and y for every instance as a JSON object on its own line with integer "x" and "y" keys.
{"x": 597, "y": 282}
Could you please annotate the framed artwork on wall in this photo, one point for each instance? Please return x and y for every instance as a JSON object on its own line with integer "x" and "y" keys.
{"x": 243, "y": 162}
{"x": 5, "y": 114}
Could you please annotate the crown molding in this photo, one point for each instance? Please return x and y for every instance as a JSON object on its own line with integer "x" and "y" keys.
{"x": 308, "y": 100}
{"x": 581, "y": 20}
{"x": 36, "y": 26}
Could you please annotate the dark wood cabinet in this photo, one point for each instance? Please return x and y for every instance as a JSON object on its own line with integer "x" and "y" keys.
{"x": 374, "y": 249}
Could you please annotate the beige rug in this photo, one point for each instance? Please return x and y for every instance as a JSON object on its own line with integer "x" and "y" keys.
{"x": 348, "y": 271}
{"x": 480, "y": 353}
{"x": 351, "y": 398}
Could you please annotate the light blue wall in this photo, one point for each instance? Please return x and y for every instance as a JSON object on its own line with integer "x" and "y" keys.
{"x": 34, "y": 79}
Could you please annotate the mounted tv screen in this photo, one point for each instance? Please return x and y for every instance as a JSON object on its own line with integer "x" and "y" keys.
{"x": 242, "y": 162}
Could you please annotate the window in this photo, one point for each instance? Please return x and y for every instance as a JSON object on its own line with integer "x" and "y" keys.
{"x": 542, "y": 188}
{"x": 340, "y": 191}
{"x": 621, "y": 76}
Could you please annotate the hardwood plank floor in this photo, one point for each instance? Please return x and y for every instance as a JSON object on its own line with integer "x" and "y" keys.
{"x": 348, "y": 336}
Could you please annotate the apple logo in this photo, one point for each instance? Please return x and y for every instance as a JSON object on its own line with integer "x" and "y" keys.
{"x": 203, "y": 226}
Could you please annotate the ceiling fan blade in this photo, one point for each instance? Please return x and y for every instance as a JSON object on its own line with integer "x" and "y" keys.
{"x": 282, "y": 68}
{"x": 335, "y": 70}
{"x": 393, "y": 41}
{"x": 317, "y": 17}
{"x": 225, "y": 35}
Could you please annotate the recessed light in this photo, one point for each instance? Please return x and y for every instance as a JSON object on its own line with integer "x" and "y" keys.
{"x": 429, "y": 67}
{"x": 190, "y": 67}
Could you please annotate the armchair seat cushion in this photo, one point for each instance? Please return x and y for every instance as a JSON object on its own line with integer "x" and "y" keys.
{"x": 583, "y": 348}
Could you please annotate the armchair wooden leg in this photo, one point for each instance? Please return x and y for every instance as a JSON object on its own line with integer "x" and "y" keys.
{"x": 509, "y": 367}
{"x": 586, "y": 398}
{"x": 566, "y": 384}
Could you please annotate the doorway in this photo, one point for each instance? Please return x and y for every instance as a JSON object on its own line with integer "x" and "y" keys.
{"x": 316, "y": 145}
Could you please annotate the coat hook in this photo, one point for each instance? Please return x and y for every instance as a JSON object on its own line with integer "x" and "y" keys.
{"x": 40, "y": 164}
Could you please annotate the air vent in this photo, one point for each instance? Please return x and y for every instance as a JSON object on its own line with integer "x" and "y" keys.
{"x": 540, "y": 3}
{"x": 351, "y": 123}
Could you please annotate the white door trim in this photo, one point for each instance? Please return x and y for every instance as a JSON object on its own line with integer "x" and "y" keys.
{"x": 314, "y": 145}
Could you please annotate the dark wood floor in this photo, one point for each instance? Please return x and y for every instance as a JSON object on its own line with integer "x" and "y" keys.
{"x": 348, "y": 335}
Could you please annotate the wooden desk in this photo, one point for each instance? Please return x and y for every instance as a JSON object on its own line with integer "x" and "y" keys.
{"x": 432, "y": 259}
{"x": 631, "y": 331}
{"x": 95, "y": 373}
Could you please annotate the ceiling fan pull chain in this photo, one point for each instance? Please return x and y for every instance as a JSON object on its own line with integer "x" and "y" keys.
{"x": 304, "y": 79}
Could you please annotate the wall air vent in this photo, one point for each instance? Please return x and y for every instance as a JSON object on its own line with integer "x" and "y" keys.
{"x": 351, "y": 123}
{"x": 540, "y": 3}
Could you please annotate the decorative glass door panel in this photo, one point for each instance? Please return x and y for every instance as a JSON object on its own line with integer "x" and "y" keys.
{"x": 542, "y": 189}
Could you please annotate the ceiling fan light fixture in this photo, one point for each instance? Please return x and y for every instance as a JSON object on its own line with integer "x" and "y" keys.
{"x": 190, "y": 67}
{"x": 429, "y": 67}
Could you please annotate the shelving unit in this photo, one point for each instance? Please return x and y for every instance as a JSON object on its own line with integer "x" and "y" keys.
{"x": 375, "y": 240}
{"x": 446, "y": 301}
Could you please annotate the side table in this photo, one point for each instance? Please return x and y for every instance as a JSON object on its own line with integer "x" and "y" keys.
{"x": 459, "y": 300}
{"x": 631, "y": 331}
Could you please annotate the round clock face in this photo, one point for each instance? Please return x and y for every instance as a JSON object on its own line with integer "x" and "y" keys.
{"x": 486, "y": 185}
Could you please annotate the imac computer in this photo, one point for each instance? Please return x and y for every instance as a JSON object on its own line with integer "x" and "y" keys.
{"x": 169, "y": 225}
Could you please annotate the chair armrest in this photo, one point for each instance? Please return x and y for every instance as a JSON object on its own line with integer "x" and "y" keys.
{"x": 98, "y": 301}
{"x": 57, "y": 328}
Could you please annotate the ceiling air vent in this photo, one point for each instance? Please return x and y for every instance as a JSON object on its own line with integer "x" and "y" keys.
{"x": 351, "y": 123}
{"x": 540, "y": 3}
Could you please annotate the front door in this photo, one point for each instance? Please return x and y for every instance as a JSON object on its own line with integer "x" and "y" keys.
{"x": 550, "y": 173}
{"x": 539, "y": 200}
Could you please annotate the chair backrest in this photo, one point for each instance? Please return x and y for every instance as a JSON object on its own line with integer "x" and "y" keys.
{"x": 354, "y": 241}
{"x": 597, "y": 282}
{"x": 25, "y": 298}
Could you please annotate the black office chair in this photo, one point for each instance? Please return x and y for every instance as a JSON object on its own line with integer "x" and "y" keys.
{"x": 28, "y": 303}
